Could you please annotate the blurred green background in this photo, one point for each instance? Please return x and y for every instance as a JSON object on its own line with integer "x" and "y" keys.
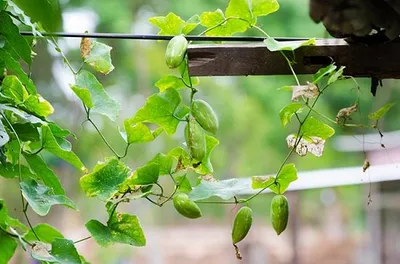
{"x": 252, "y": 140}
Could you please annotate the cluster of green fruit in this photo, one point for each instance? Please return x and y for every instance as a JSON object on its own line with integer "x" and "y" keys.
{"x": 203, "y": 119}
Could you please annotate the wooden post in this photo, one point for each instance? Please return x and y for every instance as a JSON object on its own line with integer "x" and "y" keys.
{"x": 381, "y": 61}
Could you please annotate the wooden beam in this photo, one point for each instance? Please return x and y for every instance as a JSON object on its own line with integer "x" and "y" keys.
{"x": 381, "y": 60}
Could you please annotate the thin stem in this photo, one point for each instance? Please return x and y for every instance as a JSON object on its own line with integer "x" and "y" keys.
{"x": 322, "y": 115}
{"x": 37, "y": 151}
{"x": 161, "y": 188}
{"x": 103, "y": 137}
{"x": 83, "y": 239}
{"x": 291, "y": 67}
{"x": 172, "y": 178}
{"x": 126, "y": 151}
{"x": 116, "y": 205}
{"x": 277, "y": 174}
{"x": 24, "y": 208}
{"x": 151, "y": 201}
{"x": 261, "y": 30}
{"x": 57, "y": 48}
{"x": 16, "y": 236}
{"x": 216, "y": 26}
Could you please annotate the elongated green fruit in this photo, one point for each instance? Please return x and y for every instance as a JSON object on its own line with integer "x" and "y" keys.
{"x": 186, "y": 207}
{"x": 176, "y": 51}
{"x": 205, "y": 115}
{"x": 242, "y": 224}
{"x": 279, "y": 213}
{"x": 195, "y": 140}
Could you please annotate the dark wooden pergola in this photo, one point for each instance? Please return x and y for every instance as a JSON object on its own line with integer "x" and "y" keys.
{"x": 381, "y": 60}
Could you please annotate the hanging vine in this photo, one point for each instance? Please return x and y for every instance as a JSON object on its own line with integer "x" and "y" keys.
{"x": 25, "y": 133}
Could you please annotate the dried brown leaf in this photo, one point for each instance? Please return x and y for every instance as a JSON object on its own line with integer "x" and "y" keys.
{"x": 308, "y": 91}
{"x": 314, "y": 145}
{"x": 345, "y": 114}
{"x": 366, "y": 165}
{"x": 86, "y": 44}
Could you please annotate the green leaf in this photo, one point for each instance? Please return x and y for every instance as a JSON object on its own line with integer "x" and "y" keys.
{"x": 241, "y": 9}
{"x": 169, "y": 81}
{"x": 99, "y": 57}
{"x": 23, "y": 116}
{"x": 287, "y": 175}
{"x": 145, "y": 175}
{"x": 182, "y": 156}
{"x": 64, "y": 251}
{"x": 103, "y": 182}
{"x": 9, "y": 171}
{"x": 274, "y": 45}
{"x": 164, "y": 163}
{"x": 50, "y": 144}
{"x": 58, "y": 131}
{"x": 4, "y": 137}
{"x": 12, "y": 151}
{"x": 288, "y": 112}
{"x": 47, "y": 12}
{"x": 264, "y": 7}
{"x": 212, "y": 19}
{"x": 14, "y": 42}
{"x": 83, "y": 94}
{"x": 38, "y": 105}
{"x": 37, "y": 164}
{"x": 225, "y": 189}
{"x": 15, "y": 67}
{"x": 191, "y": 24}
{"x": 381, "y": 111}
{"x": 323, "y": 72}
{"x": 122, "y": 228}
{"x": 41, "y": 198}
{"x": 8, "y": 246}
{"x": 101, "y": 102}
{"x": 173, "y": 24}
{"x": 206, "y": 166}
{"x": 259, "y": 182}
{"x": 315, "y": 128}
{"x": 336, "y": 75}
{"x": 246, "y": 10}
{"x": 27, "y": 132}
{"x": 13, "y": 88}
{"x": 45, "y": 232}
{"x": 8, "y": 222}
{"x": 184, "y": 183}
{"x": 162, "y": 109}
{"x": 139, "y": 133}
{"x": 3, "y": 4}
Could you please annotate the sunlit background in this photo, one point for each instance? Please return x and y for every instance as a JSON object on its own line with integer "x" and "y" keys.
{"x": 327, "y": 225}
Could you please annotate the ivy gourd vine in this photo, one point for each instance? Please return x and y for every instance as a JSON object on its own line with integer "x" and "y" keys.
{"x": 25, "y": 132}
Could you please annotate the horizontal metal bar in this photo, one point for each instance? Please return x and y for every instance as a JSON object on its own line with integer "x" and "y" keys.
{"x": 156, "y": 37}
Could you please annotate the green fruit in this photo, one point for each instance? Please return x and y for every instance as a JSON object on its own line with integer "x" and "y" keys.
{"x": 279, "y": 213}
{"x": 176, "y": 51}
{"x": 186, "y": 207}
{"x": 242, "y": 224}
{"x": 205, "y": 115}
{"x": 195, "y": 140}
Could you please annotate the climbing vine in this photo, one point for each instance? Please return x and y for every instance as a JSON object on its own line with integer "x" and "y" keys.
{"x": 25, "y": 133}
